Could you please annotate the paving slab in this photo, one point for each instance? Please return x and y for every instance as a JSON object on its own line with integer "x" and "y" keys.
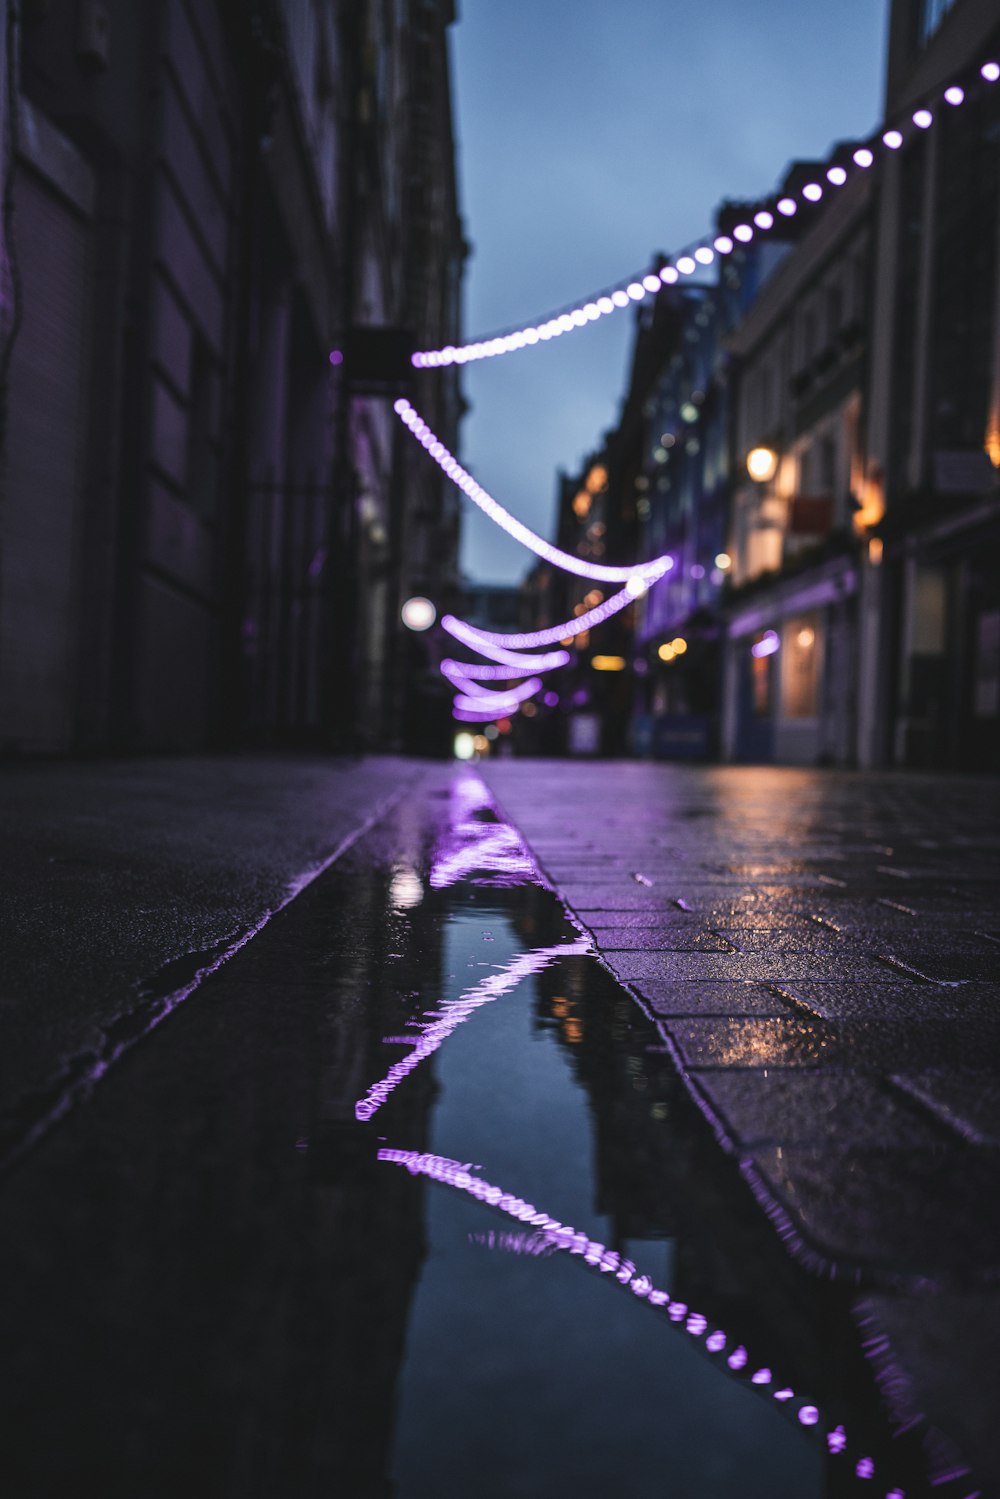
{"x": 124, "y": 880}
{"x": 846, "y": 1051}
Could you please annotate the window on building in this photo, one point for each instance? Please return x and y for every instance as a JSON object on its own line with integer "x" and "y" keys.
{"x": 800, "y": 646}
{"x": 760, "y": 683}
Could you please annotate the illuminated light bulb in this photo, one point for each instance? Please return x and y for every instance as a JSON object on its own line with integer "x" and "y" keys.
{"x": 809, "y": 1415}
{"x": 605, "y": 305}
{"x": 636, "y": 587}
{"x": 788, "y": 207}
{"x": 464, "y": 747}
{"x": 565, "y": 323}
{"x": 685, "y": 265}
{"x": 812, "y": 191}
{"x": 837, "y": 176}
{"x": 591, "y": 312}
{"x": 679, "y": 645}
{"x": 401, "y": 407}
{"x": 763, "y": 219}
{"x": 805, "y": 638}
{"x": 531, "y": 336}
{"x": 651, "y": 283}
{"x": 892, "y": 139}
{"x": 990, "y": 71}
{"x": 666, "y": 652}
{"x": 579, "y": 318}
{"x": 620, "y": 298}
{"x": 724, "y": 244}
{"x": 863, "y": 157}
{"x": 954, "y": 95}
{"x": 668, "y": 275}
{"x": 723, "y": 561}
{"x": 704, "y": 255}
{"x": 636, "y": 290}
{"x": 743, "y": 233}
{"x": 923, "y": 119}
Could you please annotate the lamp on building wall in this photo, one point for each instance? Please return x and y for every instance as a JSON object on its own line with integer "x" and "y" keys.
{"x": 762, "y": 465}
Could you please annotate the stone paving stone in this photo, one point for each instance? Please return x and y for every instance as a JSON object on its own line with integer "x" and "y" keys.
{"x": 902, "y": 1043}
{"x": 969, "y": 1098}
{"x": 669, "y": 920}
{"x": 827, "y": 1108}
{"x": 835, "y": 1000}
{"x": 669, "y": 939}
{"x": 722, "y": 965}
{"x": 704, "y": 999}
{"x": 859, "y": 1205}
{"x": 787, "y": 939}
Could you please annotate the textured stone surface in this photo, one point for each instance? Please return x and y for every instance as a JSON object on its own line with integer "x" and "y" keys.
{"x": 848, "y": 1048}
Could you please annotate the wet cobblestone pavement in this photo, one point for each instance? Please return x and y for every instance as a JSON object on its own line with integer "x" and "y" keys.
{"x": 843, "y": 1038}
{"x": 432, "y": 1188}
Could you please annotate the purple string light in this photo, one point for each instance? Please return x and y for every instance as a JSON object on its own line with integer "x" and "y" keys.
{"x": 550, "y": 1233}
{"x": 701, "y": 253}
{"x": 450, "y": 465}
{"x": 479, "y": 640}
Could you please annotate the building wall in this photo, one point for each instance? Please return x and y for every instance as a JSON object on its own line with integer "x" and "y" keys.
{"x": 207, "y": 529}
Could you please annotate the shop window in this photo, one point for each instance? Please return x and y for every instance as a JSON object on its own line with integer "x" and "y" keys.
{"x": 760, "y": 684}
{"x": 800, "y": 648}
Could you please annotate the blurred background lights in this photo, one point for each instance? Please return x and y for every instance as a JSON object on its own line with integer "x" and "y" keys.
{"x": 766, "y": 645}
{"x": 465, "y": 746}
{"x": 805, "y": 638}
{"x": 608, "y": 663}
{"x": 418, "y": 613}
{"x": 990, "y": 71}
{"x": 723, "y": 562}
{"x": 762, "y": 464}
{"x": 666, "y": 652}
{"x": 679, "y": 646}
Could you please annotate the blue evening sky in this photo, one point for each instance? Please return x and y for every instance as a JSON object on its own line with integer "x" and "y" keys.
{"x": 592, "y": 134}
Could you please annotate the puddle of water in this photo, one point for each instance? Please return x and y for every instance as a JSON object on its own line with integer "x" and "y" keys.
{"x": 573, "y": 1325}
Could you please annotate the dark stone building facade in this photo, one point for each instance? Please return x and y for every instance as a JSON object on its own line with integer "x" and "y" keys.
{"x": 206, "y": 530}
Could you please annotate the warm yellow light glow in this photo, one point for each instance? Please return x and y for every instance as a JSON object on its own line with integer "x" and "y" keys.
{"x": 992, "y": 443}
{"x": 582, "y": 640}
{"x": 480, "y": 743}
{"x": 762, "y": 464}
{"x": 568, "y": 641}
{"x": 608, "y": 663}
{"x": 593, "y": 598}
{"x": 875, "y": 551}
{"x": 581, "y": 504}
{"x": 529, "y": 710}
{"x": 666, "y": 653}
{"x": 805, "y": 638}
{"x": 597, "y": 479}
{"x": 723, "y": 562}
{"x": 679, "y": 646}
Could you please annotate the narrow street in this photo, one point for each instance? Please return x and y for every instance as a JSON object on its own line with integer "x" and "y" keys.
{"x": 393, "y": 1128}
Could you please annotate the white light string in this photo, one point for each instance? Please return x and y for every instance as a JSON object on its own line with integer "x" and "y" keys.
{"x": 701, "y": 253}
{"x": 450, "y": 465}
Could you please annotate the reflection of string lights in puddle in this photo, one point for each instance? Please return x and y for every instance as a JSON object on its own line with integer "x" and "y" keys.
{"x": 550, "y": 1233}
{"x": 454, "y": 1011}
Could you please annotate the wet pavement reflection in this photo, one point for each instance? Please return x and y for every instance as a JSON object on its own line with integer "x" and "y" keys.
{"x": 411, "y": 1202}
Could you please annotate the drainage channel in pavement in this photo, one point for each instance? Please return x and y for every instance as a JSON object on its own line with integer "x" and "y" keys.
{"x": 410, "y": 1201}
